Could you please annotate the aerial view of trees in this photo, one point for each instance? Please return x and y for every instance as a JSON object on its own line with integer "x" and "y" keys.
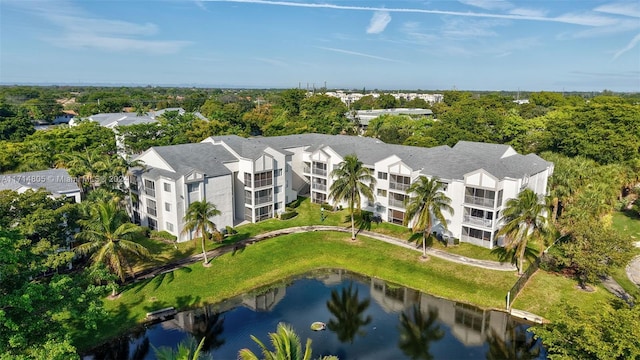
{"x": 592, "y": 139}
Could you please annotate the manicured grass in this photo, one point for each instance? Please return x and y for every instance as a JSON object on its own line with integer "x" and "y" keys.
{"x": 468, "y": 250}
{"x": 627, "y": 222}
{"x": 278, "y": 258}
{"x": 545, "y": 291}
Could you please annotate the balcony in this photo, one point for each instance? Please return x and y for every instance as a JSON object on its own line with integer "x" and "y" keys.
{"x": 321, "y": 172}
{"x": 306, "y": 169}
{"x": 321, "y": 187}
{"x": 152, "y": 212}
{"x": 477, "y": 221}
{"x": 150, "y": 191}
{"x": 264, "y": 199}
{"x": 476, "y": 200}
{"x": 263, "y": 183}
{"x": 396, "y": 203}
{"x": 398, "y": 186}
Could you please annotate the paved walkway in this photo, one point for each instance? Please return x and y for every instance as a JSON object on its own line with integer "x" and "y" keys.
{"x": 485, "y": 264}
{"x": 633, "y": 270}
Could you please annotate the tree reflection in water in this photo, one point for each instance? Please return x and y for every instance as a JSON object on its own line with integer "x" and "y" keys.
{"x": 417, "y": 331}
{"x": 349, "y": 314}
{"x": 210, "y": 326}
{"x": 516, "y": 344}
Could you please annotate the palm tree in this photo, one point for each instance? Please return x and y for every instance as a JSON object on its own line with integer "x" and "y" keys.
{"x": 198, "y": 219}
{"x": 86, "y": 165}
{"x": 417, "y": 332}
{"x": 286, "y": 344}
{"x": 187, "y": 350}
{"x": 525, "y": 219}
{"x": 352, "y": 180}
{"x": 348, "y": 311}
{"x": 426, "y": 202}
{"x": 109, "y": 238}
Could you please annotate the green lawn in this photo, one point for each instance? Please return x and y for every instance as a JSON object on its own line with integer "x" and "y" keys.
{"x": 278, "y": 258}
{"x": 627, "y": 222}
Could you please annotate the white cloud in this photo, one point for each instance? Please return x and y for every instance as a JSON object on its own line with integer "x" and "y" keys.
{"x": 627, "y": 9}
{"x": 356, "y": 53}
{"x": 488, "y": 4}
{"x": 632, "y": 44}
{"x": 379, "y": 22}
{"x": 75, "y": 28}
{"x": 528, "y": 12}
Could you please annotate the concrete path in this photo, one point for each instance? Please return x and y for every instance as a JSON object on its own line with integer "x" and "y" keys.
{"x": 485, "y": 264}
{"x": 610, "y": 284}
{"x": 633, "y": 270}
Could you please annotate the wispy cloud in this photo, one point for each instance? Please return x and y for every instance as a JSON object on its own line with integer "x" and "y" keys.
{"x": 488, "y": 4}
{"x": 632, "y": 44}
{"x": 348, "y": 52}
{"x": 586, "y": 19}
{"x": 78, "y": 29}
{"x": 627, "y": 9}
{"x": 378, "y": 22}
{"x": 200, "y": 4}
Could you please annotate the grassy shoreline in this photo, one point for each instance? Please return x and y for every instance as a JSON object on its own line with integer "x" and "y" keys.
{"x": 291, "y": 255}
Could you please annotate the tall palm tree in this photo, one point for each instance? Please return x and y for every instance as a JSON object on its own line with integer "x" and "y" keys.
{"x": 425, "y": 203}
{"x": 351, "y": 180}
{"x": 198, "y": 219}
{"x": 286, "y": 346}
{"x": 85, "y": 165}
{"x": 417, "y": 331}
{"x": 526, "y": 218}
{"x": 348, "y": 311}
{"x": 110, "y": 238}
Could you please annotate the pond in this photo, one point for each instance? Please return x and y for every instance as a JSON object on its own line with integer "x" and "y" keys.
{"x": 367, "y": 318}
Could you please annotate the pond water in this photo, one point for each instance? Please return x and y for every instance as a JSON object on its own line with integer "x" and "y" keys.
{"x": 366, "y": 318}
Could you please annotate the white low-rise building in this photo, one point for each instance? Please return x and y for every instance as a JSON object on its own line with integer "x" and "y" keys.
{"x": 56, "y": 181}
{"x": 252, "y": 179}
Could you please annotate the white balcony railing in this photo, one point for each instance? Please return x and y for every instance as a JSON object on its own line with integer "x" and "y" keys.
{"x": 398, "y": 186}
{"x": 321, "y": 187}
{"x": 321, "y": 172}
{"x": 396, "y": 203}
{"x": 477, "y": 221}
{"x": 264, "y": 200}
{"x": 476, "y": 200}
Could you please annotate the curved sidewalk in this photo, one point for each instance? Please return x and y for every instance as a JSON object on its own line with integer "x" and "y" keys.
{"x": 485, "y": 264}
{"x": 633, "y": 270}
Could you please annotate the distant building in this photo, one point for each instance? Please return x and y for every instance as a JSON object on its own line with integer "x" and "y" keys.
{"x": 65, "y": 117}
{"x": 250, "y": 180}
{"x": 348, "y": 98}
{"x": 363, "y": 117}
{"x": 56, "y": 181}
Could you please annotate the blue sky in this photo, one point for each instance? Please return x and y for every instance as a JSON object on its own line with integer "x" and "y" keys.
{"x": 553, "y": 45}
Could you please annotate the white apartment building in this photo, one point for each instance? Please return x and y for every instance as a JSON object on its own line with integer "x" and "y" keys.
{"x": 252, "y": 179}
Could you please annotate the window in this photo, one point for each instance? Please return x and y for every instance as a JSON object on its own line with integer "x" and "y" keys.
{"x": 263, "y": 196}
{"x": 382, "y": 192}
{"x": 169, "y": 226}
{"x": 382, "y": 175}
{"x": 167, "y": 187}
{"x": 151, "y": 208}
{"x": 247, "y": 197}
{"x": 247, "y": 179}
{"x": 277, "y": 172}
{"x": 264, "y": 213}
{"x": 153, "y": 224}
{"x": 167, "y": 207}
{"x": 277, "y": 206}
{"x": 396, "y": 217}
{"x": 263, "y": 179}
{"x": 150, "y": 188}
{"x": 194, "y": 187}
{"x": 278, "y": 189}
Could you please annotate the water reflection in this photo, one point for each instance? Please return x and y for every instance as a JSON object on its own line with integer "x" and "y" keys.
{"x": 348, "y": 314}
{"x": 418, "y": 329}
{"x": 367, "y": 318}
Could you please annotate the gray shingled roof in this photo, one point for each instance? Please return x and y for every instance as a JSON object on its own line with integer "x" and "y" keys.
{"x": 204, "y": 157}
{"x": 441, "y": 161}
{"x": 243, "y": 147}
{"x": 120, "y": 119}
{"x": 56, "y": 181}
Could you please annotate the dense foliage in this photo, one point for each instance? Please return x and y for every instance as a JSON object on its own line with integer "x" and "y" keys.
{"x": 594, "y": 142}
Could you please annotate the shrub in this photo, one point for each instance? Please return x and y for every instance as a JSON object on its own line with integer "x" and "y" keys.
{"x": 456, "y": 241}
{"x": 162, "y": 235}
{"x": 217, "y": 236}
{"x": 288, "y": 215}
{"x": 230, "y": 231}
{"x": 327, "y": 207}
